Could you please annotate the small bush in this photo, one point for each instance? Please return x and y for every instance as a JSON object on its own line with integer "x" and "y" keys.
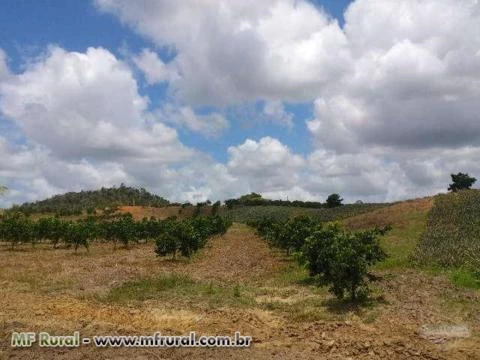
{"x": 167, "y": 244}
{"x": 341, "y": 259}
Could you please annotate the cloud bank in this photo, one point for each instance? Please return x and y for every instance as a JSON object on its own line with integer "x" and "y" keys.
{"x": 395, "y": 93}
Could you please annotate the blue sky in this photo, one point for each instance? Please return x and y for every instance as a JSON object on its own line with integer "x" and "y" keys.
{"x": 31, "y": 25}
{"x": 28, "y": 27}
{"x": 199, "y": 100}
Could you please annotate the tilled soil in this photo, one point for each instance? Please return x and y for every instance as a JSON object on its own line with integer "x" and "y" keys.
{"x": 235, "y": 257}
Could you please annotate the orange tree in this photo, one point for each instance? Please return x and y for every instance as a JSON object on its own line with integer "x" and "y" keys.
{"x": 341, "y": 259}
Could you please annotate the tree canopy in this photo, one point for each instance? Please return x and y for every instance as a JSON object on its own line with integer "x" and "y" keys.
{"x": 461, "y": 181}
{"x": 76, "y": 202}
{"x": 334, "y": 200}
{"x": 341, "y": 259}
{"x": 254, "y": 199}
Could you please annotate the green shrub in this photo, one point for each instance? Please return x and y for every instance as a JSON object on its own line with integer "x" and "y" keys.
{"x": 78, "y": 234}
{"x": 289, "y": 236}
{"x": 16, "y": 228}
{"x": 341, "y": 259}
{"x": 125, "y": 230}
{"x": 167, "y": 244}
{"x": 188, "y": 236}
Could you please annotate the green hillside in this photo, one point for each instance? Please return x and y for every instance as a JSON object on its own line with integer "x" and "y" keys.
{"x": 452, "y": 235}
{"x": 282, "y": 213}
{"x": 75, "y": 202}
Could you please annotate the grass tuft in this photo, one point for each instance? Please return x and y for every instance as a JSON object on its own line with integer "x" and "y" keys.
{"x": 180, "y": 288}
{"x": 464, "y": 278}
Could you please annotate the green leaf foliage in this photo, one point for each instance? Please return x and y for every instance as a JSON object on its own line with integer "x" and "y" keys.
{"x": 334, "y": 200}
{"x": 341, "y": 259}
{"x": 336, "y": 257}
{"x": 172, "y": 235}
{"x": 188, "y": 236}
{"x": 461, "y": 181}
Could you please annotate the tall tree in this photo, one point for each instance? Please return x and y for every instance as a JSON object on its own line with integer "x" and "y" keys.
{"x": 334, "y": 200}
{"x": 461, "y": 181}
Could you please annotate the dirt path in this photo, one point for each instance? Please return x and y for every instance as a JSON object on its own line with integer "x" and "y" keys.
{"x": 239, "y": 256}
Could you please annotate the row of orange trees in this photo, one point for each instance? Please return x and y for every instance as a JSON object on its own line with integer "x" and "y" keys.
{"x": 333, "y": 255}
{"x": 187, "y": 236}
{"x": 16, "y": 228}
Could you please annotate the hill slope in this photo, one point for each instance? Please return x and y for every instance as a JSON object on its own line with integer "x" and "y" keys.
{"x": 452, "y": 236}
{"x": 408, "y": 220}
{"x": 283, "y": 213}
{"x": 75, "y": 202}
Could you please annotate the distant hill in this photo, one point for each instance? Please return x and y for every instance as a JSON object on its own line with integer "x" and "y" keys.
{"x": 73, "y": 203}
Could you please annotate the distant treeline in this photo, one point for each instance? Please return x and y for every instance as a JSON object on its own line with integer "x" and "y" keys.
{"x": 255, "y": 199}
{"x": 109, "y": 199}
{"x": 74, "y": 203}
{"x": 230, "y": 203}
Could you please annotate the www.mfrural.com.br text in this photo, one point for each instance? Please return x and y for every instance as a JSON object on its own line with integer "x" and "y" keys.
{"x": 45, "y": 339}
